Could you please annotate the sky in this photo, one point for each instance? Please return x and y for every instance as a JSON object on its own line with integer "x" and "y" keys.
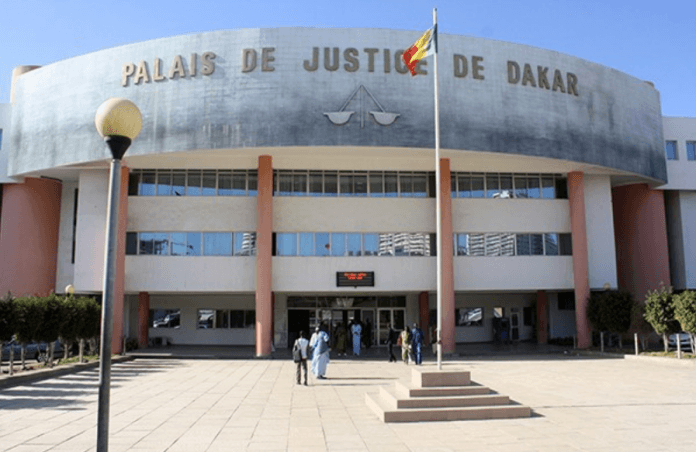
{"x": 654, "y": 41}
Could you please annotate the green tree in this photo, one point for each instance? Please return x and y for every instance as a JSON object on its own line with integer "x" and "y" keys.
{"x": 29, "y": 318}
{"x": 611, "y": 311}
{"x": 659, "y": 312}
{"x": 685, "y": 312}
{"x": 90, "y": 327}
{"x": 8, "y": 324}
{"x": 72, "y": 319}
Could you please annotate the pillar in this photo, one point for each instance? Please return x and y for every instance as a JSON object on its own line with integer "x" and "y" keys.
{"x": 542, "y": 317}
{"x": 578, "y": 229}
{"x": 424, "y": 314}
{"x": 264, "y": 249}
{"x": 119, "y": 282}
{"x": 29, "y": 237}
{"x": 448, "y": 317}
{"x": 143, "y": 319}
{"x": 640, "y": 233}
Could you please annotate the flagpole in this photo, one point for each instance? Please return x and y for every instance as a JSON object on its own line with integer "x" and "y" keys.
{"x": 438, "y": 201}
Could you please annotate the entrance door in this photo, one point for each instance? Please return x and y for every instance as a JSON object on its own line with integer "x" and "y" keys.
{"x": 515, "y": 324}
{"x": 394, "y": 316}
{"x": 298, "y": 320}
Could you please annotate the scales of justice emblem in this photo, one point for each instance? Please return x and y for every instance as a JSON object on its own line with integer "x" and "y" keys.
{"x": 381, "y": 117}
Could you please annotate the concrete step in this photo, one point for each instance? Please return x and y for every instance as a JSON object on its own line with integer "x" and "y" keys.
{"x": 404, "y": 390}
{"x": 388, "y": 414}
{"x": 396, "y": 402}
{"x": 426, "y": 378}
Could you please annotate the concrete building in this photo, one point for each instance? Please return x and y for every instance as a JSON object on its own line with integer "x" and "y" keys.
{"x": 286, "y": 177}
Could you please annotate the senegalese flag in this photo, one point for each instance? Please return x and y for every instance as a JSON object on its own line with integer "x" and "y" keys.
{"x": 424, "y": 47}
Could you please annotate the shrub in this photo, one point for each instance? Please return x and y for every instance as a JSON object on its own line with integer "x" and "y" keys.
{"x": 659, "y": 312}
{"x": 685, "y": 312}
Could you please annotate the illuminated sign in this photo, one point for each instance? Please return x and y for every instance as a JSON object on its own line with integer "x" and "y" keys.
{"x": 355, "y": 279}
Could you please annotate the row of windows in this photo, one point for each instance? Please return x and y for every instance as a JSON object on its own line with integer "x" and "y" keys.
{"x": 226, "y": 318}
{"x": 507, "y": 185}
{"x": 375, "y": 184}
{"x": 511, "y": 244}
{"x": 191, "y": 243}
{"x": 354, "y": 244}
{"x": 672, "y": 152}
{"x": 150, "y": 182}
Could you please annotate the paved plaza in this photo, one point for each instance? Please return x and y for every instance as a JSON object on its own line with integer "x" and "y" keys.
{"x": 186, "y": 405}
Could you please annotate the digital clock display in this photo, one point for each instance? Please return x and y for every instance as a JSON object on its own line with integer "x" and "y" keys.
{"x": 355, "y": 279}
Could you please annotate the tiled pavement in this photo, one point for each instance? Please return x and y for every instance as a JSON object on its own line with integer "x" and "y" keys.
{"x": 579, "y": 404}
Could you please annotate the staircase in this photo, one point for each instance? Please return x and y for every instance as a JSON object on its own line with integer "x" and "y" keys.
{"x": 436, "y": 395}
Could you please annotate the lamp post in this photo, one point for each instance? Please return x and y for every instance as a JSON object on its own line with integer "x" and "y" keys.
{"x": 118, "y": 121}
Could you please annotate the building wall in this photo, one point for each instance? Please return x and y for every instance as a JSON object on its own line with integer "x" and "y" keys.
{"x": 600, "y": 232}
{"x": 91, "y": 231}
{"x": 5, "y": 122}
{"x": 680, "y": 209}
{"x": 65, "y": 273}
{"x": 681, "y": 172}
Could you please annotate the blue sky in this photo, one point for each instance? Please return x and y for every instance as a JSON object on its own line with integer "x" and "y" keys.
{"x": 650, "y": 40}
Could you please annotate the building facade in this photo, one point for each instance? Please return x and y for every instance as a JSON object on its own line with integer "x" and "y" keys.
{"x": 286, "y": 177}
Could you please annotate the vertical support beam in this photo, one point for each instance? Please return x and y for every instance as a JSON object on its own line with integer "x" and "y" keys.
{"x": 29, "y": 238}
{"x": 143, "y": 319}
{"x": 264, "y": 249}
{"x": 119, "y": 283}
{"x": 542, "y": 317}
{"x": 447, "y": 253}
{"x": 424, "y": 315}
{"x": 578, "y": 229}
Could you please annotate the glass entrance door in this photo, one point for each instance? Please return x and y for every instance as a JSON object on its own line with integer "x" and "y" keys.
{"x": 389, "y": 316}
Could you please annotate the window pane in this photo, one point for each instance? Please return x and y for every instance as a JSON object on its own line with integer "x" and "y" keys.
{"x": 249, "y": 319}
{"x": 147, "y": 184}
{"x": 477, "y": 245}
{"x": 217, "y": 243}
{"x": 520, "y": 187}
{"x": 193, "y": 184}
{"x": 222, "y": 318}
{"x": 565, "y": 245}
{"x": 133, "y": 183}
{"x": 178, "y": 183}
{"x": 154, "y": 243}
{"x": 131, "y": 243}
{"x": 165, "y": 318}
{"x": 453, "y": 184}
{"x": 492, "y": 186}
{"x": 507, "y": 244}
{"x": 548, "y": 188}
{"x": 306, "y": 244}
{"x": 493, "y": 247}
{"x": 476, "y": 186}
{"x": 236, "y": 319}
{"x": 671, "y": 150}
{"x": 346, "y": 181}
{"x": 391, "y": 185}
{"x": 299, "y": 184}
{"x": 239, "y": 179}
{"x": 252, "y": 183}
{"x": 330, "y": 184}
{"x": 406, "y": 185}
{"x": 533, "y": 189}
{"x": 371, "y": 244}
{"x": 338, "y": 244}
{"x": 469, "y": 317}
{"x": 178, "y": 243}
{"x": 691, "y": 150}
{"x": 225, "y": 183}
{"x": 354, "y": 244}
{"x": 551, "y": 244}
{"x": 561, "y": 187}
{"x": 462, "y": 244}
{"x": 209, "y": 183}
{"x": 164, "y": 183}
{"x": 316, "y": 183}
{"x": 536, "y": 243}
{"x": 244, "y": 243}
{"x": 193, "y": 243}
{"x": 323, "y": 248}
{"x": 523, "y": 247}
{"x": 386, "y": 245}
{"x": 360, "y": 184}
{"x": 286, "y": 244}
{"x": 419, "y": 244}
{"x": 420, "y": 185}
{"x": 376, "y": 185}
{"x": 284, "y": 183}
{"x": 506, "y": 186}
{"x": 206, "y": 318}
{"x": 401, "y": 244}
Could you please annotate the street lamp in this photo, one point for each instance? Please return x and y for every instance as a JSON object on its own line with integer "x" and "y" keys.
{"x": 118, "y": 121}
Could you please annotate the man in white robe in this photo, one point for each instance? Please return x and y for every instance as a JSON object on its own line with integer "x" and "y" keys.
{"x": 356, "y": 331}
{"x": 320, "y": 353}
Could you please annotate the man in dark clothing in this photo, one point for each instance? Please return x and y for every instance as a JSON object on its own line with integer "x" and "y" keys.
{"x": 391, "y": 340}
{"x": 302, "y": 343}
{"x": 417, "y": 343}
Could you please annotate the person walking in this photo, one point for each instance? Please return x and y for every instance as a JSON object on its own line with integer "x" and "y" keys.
{"x": 405, "y": 339}
{"x": 391, "y": 339}
{"x": 320, "y": 355}
{"x": 300, "y": 351}
{"x": 417, "y": 343}
{"x": 341, "y": 339}
{"x": 356, "y": 331}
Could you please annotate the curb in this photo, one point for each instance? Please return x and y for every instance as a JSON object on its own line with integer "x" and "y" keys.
{"x": 661, "y": 359}
{"x": 44, "y": 374}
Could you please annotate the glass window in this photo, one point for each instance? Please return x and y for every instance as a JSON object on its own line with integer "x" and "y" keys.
{"x": 178, "y": 183}
{"x": 477, "y": 245}
{"x": 316, "y": 183}
{"x": 330, "y": 184}
{"x": 252, "y": 183}
{"x": 193, "y": 183}
{"x": 671, "y": 150}
{"x": 249, "y": 319}
{"x": 453, "y": 184}
{"x": 193, "y": 243}
{"x": 420, "y": 185}
{"x": 493, "y": 244}
{"x": 371, "y": 244}
{"x": 469, "y": 317}
{"x": 551, "y": 244}
{"x": 386, "y": 244}
{"x": 284, "y": 183}
{"x": 209, "y": 183}
{"x": 360, "y": 184}
{"x": 346, "y": 181}
{"x": 206, "y": 318}
{"x": 147, "y": 183}
{"x": 548, "y": 188}
{"x": 391, "y": 185}
{"x": 520, "y": 187}
{"x": 299, "y": 184}
{"x": 533, "y": 188}
{"x": 354, "y": 248}
{"x": 239, "y": 182}
{"x": 225, "y": 183}
{"x": 492, "y": 186}
{"x": 131, "y": 243}
{"x": 323, "y": 246}
{"x": 338, "y": 244}
{"x": 523, "y": 246}
{"x": 133, "y": 183}
{"x": 561, "y": 187}
{"x": 506, "y": 190}
{"x": 164, "y": 183}
{"x": 178, "y": 243}
{"x": 461, "y": 244}
{"x": 536, "y": 243}
{"x": 164, "y": 318}
{"x": 217, "y": 243}
{"x": 222, "y": 319}
{"x": 236, "y": 319}
{"x": 419, "y": 244}
{"x": 376, "y": 184}
{"x": 691, "y": 150}
{"x": 565, "y": 245}
{"x": 306, "y": 244}
{"x": 244, "y": 243}
{"x": 507, "y": 244}
{"x": 406, "y": 185}
{"x": 286, "y": 244}
{"x": 401, "y": 244}
{"x": 154, "y": 243}
{"x": 477, "y": 186}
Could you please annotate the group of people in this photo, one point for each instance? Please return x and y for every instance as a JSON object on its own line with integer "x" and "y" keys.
{"x": 319, "y": 344}
{"x": 411, "y": 342}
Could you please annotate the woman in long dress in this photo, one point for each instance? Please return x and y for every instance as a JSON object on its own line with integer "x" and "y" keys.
{"x": 320, "y": 353}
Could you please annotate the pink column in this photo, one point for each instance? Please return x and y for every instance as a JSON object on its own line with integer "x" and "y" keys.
{"x": 542, "y": 313}
{"x": 640, "y": 230}
{"x": 264, "y": 249}
{"x": 143, "y": 319}
{"x": 424, "y": 314}
{"x": 29, "y": 237}
{"x": 578, "y": 229}
{"x": 119, "y": 283}
{"x": 447, "y": 335}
